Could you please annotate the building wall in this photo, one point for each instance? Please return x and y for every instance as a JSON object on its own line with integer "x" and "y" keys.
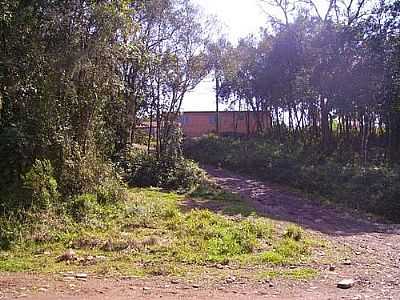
{"x": 199, "y": 123}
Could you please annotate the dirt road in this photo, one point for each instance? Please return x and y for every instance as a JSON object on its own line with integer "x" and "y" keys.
{"x": 373, "y": 260}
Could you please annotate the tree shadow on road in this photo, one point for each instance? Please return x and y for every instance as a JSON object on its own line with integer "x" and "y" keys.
{"x": 276, "y": 202}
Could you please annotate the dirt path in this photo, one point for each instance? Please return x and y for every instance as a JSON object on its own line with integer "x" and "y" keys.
{"x": 373, "y": 259}
{"x": 375, "y": 247}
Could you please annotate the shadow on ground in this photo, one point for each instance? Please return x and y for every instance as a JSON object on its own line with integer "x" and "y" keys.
{"x": 275, "y": 202}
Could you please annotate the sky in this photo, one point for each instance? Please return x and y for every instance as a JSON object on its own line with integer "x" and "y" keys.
{"x": 239, "y": 18}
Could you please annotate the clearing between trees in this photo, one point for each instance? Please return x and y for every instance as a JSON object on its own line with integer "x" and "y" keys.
{"x": 211, "y": 243}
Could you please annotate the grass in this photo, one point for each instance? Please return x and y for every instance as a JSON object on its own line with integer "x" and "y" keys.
{"x": 210, "y": 196}
{"x": 155, "y": 233}
{"x": 298, "y": 274}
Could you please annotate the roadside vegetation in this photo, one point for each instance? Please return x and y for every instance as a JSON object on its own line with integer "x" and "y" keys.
{"x": 92, "y": 172}
{"x": 321, "y": 89}
{"x": 153, "y": 233}
{"x": 340, "y": 178}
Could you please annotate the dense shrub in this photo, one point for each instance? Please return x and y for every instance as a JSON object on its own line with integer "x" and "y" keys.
{"x": 10, "y": 230}
{"x": 172, "y": 173}
{"x": 372, "y": 188}
{"x": 41, "y": 184}
{"x": 83, "y": 172}
{"x": 83, "y": 206}
{"x": 13, "y": 158}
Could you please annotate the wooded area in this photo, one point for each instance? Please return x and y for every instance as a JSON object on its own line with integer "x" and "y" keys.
{"x": 95, "y": 172}
{"x": 328, "y": 77}
{"x": 79, "y": 77}
{"x": 76, "y": 78}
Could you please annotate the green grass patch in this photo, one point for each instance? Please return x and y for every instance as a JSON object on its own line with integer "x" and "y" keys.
{"x": 297, "y": 274}
{"x": 209, "y": 195}
{"x": 153, "y": 234}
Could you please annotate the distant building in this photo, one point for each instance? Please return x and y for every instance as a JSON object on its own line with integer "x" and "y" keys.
{"x": 195, "y": 123}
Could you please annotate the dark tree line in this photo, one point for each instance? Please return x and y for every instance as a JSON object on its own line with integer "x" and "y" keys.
{"x": 78, "y": 77}
{"x": 327, "y": 78}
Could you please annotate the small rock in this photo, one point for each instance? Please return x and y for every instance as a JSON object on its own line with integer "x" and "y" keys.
{"x": 345, "y": 284}
{"x": 230, "y": 279}
{"x": 67, "y": 256}
{"x": 196, "y": 286}
{"x": 22, "y": 296}
{"x": 81, "y": 275}
{"x": 82, "y": 279}
{"x": 332, "y": 268}
{"x": 347, "y": 262}
{"x": 174, "y": 281}
{"x": 146, "y": 288}
{"x": 69, "y": 278}
{"x": 219, "y": 266}
{"x": 271, "y": 285}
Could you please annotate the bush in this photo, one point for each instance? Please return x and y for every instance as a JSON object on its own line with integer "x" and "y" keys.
{"x": 83, "y": 206}
{"x": 13, "y": 160}
{"x": 84, "y": 172}
{"x": 144, "y": 170}
{"x": 10, "y": 230}
{"x": 112, "y": 190}
{"x": 294, "y": 232}
{"x": 41, "y": 184}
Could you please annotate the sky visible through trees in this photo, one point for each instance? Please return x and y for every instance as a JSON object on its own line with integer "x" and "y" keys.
{"x": 239, "y": 19}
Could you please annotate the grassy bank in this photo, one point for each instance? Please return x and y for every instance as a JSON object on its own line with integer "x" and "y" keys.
{"x": 158, "y": 233}
{"x": 372, "y": 188}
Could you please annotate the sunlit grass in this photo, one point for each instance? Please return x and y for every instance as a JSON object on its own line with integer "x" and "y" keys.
{"x": 153, "y": 234}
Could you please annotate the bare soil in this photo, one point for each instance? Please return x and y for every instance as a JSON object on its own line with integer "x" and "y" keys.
{"x": 372, "y": 259}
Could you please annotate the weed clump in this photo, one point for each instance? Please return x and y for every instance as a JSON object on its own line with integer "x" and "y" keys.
{"x": 293, "y": 232}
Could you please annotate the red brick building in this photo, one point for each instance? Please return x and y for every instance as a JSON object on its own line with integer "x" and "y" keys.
{"x": 230, "y": 122}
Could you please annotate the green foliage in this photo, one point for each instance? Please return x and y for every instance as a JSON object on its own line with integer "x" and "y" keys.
{"x": 10, "y": 231}
{"x": 13, "y": 154}
{"x": 83, "y": 207}
{"x": 171, "y": 173}
{"x": 149, "y": 234}
{"x": 373, "y": 188}
{"x": 78, "y": 105}
{"x": 111, "y": 190}
{"x": 215, "y": 239}
{"x": 294, "y": 232}
{"x": 41, "y": 184}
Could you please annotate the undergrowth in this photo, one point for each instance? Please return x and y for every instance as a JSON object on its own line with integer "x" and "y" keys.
{"x": 150, "y": 234}
{"x": 374, "y": 188}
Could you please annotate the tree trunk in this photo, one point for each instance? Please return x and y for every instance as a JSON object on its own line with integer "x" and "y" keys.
{"x": 217, "y": 104}
{"x": 325, "y": 134}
